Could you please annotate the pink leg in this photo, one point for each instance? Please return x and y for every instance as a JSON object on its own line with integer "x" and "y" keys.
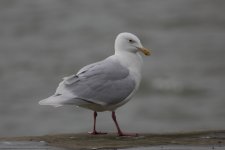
{"x": 94, "y": 132}
{"x": 120, "y": 133}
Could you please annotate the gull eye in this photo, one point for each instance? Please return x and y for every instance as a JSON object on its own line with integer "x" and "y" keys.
{"x": 131, "y": 41}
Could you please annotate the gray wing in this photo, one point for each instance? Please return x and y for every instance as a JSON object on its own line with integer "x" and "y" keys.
{"x": 106, "y": 82}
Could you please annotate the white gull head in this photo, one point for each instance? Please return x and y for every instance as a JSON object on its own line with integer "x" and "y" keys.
{"x": 127, "y": 42}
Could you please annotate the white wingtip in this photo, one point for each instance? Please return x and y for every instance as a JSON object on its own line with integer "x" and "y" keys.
{"x": 49, "y": 101}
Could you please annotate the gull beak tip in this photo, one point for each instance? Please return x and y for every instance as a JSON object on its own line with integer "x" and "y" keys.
{"x": 146, "y": 51}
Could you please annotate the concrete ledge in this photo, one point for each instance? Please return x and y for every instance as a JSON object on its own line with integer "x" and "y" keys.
{"x": 197, "y": 140}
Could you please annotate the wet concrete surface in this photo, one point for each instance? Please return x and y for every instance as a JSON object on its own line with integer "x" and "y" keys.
{"x": 206, "y": 140}
{"x": 26, "y": 145}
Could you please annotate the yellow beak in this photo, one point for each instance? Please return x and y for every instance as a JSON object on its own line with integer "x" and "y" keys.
{"x": 146, "y": 51}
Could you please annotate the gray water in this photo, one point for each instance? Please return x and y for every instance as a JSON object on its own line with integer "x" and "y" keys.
{"x": 183, "y": 81}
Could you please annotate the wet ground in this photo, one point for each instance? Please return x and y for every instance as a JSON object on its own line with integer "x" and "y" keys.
{"x": 26, "y": 145}
{"x": 178, "y": 141}
{"x": 42, "y": 146}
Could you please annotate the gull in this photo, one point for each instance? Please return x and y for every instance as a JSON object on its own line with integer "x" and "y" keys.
{"x": 104, "y": 85}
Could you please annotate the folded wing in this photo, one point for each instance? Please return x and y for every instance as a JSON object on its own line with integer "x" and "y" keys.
{"x": 104, "y": 83}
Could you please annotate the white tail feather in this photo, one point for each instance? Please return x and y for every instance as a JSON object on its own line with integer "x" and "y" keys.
{"x": 54, "y": 100}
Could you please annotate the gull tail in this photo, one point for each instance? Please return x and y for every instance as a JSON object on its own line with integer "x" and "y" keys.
{"x": 54, "y": 100}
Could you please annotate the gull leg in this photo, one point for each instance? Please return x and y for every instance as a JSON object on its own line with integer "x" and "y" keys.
{"x": 94, "y": 132}
{"x": 120, "y": 133}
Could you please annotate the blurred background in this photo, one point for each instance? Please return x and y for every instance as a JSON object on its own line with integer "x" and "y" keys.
{"x": 183, "y": 81}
